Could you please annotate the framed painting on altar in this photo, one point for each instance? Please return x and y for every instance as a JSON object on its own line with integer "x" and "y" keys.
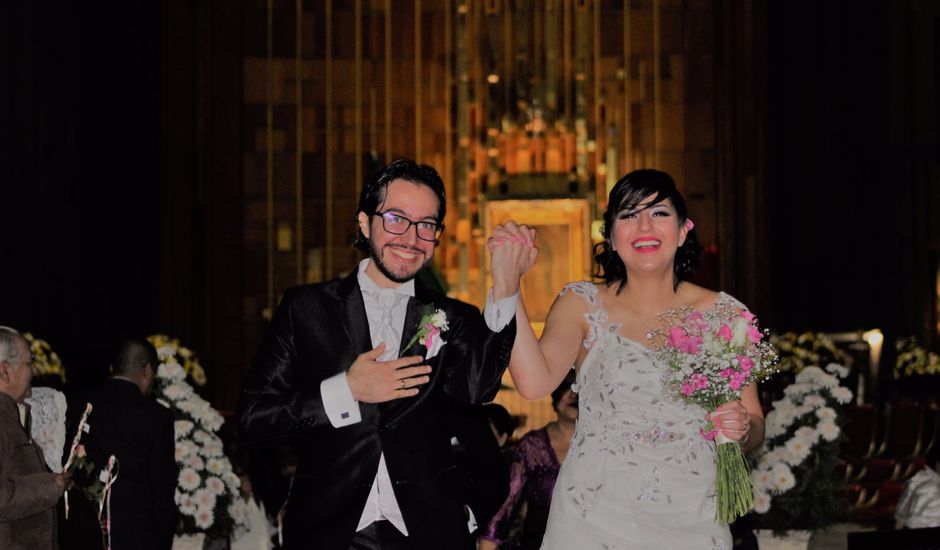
{"x": 564, "y": 242}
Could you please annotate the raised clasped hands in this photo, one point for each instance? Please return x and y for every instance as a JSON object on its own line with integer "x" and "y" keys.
{"x": 513, "y": 252}
{"x": 732, "y": 419}
{"x": 373, "y": 381}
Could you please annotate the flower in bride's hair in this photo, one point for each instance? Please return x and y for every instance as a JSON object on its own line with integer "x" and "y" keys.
{"x": 189, "y": 479}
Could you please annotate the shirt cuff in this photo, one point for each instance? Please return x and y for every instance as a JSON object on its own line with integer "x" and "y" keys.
{"x": 498, "y": 313}
{"x": 341, "y": 408}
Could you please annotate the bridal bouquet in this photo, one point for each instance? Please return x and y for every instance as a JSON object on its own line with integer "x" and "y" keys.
{"x": 713, "y": 356}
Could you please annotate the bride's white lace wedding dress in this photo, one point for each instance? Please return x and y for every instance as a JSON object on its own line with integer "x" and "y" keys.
{"x": 638, "y": 473}
{"x": 47, "y": 410}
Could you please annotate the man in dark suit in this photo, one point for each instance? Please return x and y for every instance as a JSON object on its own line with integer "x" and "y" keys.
{"x": 128, "y": 423}
{"x": 342, "y": 373}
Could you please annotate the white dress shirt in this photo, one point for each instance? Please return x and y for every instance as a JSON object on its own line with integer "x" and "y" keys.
{"x": 385, "y": 311}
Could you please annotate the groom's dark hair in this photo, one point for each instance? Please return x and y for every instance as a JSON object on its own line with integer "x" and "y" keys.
{"x": 373, "y": 193}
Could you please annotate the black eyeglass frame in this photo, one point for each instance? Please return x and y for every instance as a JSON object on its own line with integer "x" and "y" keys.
{"x": 438, "y": 227}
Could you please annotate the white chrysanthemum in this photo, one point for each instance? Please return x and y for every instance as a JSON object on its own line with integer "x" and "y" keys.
{"x": 216, "y": 466}
{"x": 189, "y": 479}
{"x": 797, "y": 390}
{"x": 204, "y": 518}
{"x": 797, "y": 450}
{"x": 803, "y": 410}
{"x": 810, "y": 375}
{"x": 195, "y": 462}
{"x": 205, "y": 498}
{"x": 203, "y": 437}
{"x": 807, "y": 434}
{"x": 238, "y": 511}
{"x": 783, "y": 479}
{"x": 826, "y": 413}
{"x": 828, "y": 430}
{"x": 762, "y": 479}
{"x": 814, "y": 401}
{"x": 212, "y": 449}
{"x": 842, "y": 395}
{"x": 232, "y": 481}
{"x": 171, "y": 371}
{"x": 215, "y": 485}
{"x": 761, "y": 502}
{"x": 837, "y": 370}
{"x": 187, "y": 505}
{"x": 182, "y": 428}
{"x": 771, "y": 458}
{"x": 177, "y": 391}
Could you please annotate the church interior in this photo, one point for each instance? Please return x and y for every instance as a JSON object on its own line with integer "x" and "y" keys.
{"x": 173, "y": 167}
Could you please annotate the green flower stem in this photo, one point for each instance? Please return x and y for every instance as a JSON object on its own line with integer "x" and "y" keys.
{"x": 732, "y": 483}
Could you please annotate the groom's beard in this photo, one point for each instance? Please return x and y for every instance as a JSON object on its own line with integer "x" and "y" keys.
{"x": 384, "y": 270}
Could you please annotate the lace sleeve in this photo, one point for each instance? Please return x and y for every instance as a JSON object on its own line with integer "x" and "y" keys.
{"x": 47, "y": 407}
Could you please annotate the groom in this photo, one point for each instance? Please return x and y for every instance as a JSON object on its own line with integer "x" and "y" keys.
{"x": 366, "y": 404}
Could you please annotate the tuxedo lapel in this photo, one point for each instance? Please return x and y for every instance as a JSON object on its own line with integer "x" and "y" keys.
{"x": 352, "y": 315}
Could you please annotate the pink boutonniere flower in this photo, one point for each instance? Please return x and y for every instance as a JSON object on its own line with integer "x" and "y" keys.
{"x": 433, "y": 323}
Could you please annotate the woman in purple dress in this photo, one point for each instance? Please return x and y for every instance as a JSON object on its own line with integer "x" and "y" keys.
{"x": 535, "y": 466}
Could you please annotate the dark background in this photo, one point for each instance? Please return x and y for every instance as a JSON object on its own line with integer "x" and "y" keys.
{"x": 116, "y": 215}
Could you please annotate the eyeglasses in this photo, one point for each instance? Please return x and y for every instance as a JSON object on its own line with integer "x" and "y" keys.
{"x": 399, "y": 225}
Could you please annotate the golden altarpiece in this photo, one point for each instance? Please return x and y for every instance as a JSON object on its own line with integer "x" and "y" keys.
{"x": 530, "y": 110}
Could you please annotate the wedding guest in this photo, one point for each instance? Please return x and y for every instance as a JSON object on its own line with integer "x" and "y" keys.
{"x": 128, "y": 423}
{"x": 534, "y": 467}
{"x": 342, "y": 373}
{"x": 28, "y": 490}
{"x": 639, "y": 473}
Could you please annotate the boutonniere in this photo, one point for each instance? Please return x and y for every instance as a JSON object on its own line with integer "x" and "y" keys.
{"x": 432, "y": 324}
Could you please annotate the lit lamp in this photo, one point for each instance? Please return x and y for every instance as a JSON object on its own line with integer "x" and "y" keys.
{"x": 875, "y": 338}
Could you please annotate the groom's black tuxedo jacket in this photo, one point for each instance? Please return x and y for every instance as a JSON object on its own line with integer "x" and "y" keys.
{"x": 318, "y": 331}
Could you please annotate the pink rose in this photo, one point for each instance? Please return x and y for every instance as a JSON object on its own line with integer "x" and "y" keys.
{"x": 748, "y": 315}
{"x": 753, "y": 334}
{"x": 80, "y": 451}
{"x": 726, "y": 373}
{"x": 687, "y": 389}
{"x": 725, "y": 333}
{"x": 709, "y": 435}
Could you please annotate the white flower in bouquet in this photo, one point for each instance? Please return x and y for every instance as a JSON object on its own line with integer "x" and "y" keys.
{"x": 829, "y": 430}
{"x": 826, "y": 413}
{"x": 797, "y": 450}
{"x": 761, "y": 502}
{"x": 842, "y": 395}
{"x": 814, "y": 401}
{"x": 172, "y": 371}
{"x": 177, "y": 391}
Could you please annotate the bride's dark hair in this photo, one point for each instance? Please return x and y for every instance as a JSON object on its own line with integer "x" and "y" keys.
{"x": 626, "y": 195}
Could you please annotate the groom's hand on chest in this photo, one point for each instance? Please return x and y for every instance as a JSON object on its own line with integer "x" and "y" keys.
{"x": 374, "y": 381}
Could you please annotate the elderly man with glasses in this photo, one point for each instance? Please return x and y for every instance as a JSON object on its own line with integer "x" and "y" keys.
{"x": 358, "y": 372}
{"x": 28, "y": 490}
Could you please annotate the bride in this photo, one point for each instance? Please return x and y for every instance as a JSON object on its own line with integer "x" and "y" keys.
{"x": 638, "y": 473}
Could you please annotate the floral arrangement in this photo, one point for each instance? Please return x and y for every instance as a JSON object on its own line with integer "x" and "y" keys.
{"x": 182, "y": 356}
{"x": 796, "y": 485}
{"x": 713, "y": 356}
{"x": 207, "y": 491}
{"x": 797, "y": 351}
{"x": 45, "y": 361}
{"x": 432, "y": 324}
{"x": 914, "y": 360}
